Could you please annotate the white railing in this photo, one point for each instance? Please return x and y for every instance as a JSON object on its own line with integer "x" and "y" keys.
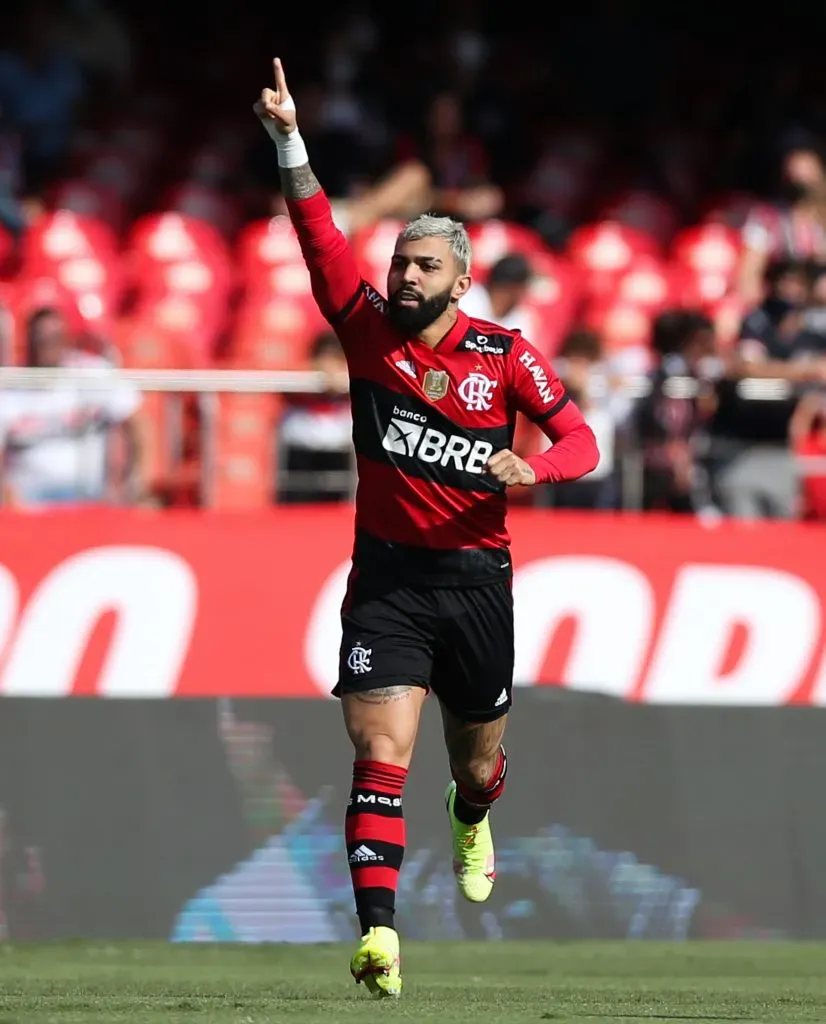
{"x": 301, "y": 382}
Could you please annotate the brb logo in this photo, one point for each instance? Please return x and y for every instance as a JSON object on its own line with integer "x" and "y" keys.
{"x": 408, "y": 435}
{"x": 476, "y": 391}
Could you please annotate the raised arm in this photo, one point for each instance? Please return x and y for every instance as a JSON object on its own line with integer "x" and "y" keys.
{"x": 336, "y": 281}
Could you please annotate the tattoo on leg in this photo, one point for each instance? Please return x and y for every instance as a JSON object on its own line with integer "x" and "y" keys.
{"x": 384, "y": 694}
{"x": 472, "y": 741}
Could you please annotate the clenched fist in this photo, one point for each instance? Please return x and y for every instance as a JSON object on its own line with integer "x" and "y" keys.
{"x": 276, "y": 105}
{"x": 510, "y": 470}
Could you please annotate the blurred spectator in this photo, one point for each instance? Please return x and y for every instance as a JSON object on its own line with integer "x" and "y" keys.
{"x": 456, "y": 161}
{"x": 53, "y": 442}
{"x": 502, "y": 298}
{"x": 11, "y": 211}
{"x": 581, "y": 367}
{"x": 315, "y": 461}
{"x": 669, "y": 421}
{"x": 792, "y": 228}
{"x": 780, "y": 340}
{"x": 40, "y": 89}
{"x": 98, "y": 39}
{"x": 807, "y": 437}
{"x": 775, "y": 341}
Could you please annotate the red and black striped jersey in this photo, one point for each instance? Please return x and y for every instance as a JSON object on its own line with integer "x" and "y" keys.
{"x": 426, "y": 420}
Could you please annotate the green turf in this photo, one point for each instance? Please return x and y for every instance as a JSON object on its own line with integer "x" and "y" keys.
{"x": 488, "y": 983}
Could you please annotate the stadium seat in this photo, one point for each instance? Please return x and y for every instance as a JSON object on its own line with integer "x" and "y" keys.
{"x": 159, "y": 238}
{"x": 63, "y": 234}
{"x": 647, "y": 282}
{"x": 193, "y": 327}
{"x": 493, "y": 239}
{"x": 625, "y": 329}
{"x": 171, "y": 256}
{"x": 643, "y": 211}
{"x": 242, "y": 472}
{"x": 373, "y": 247}
{"x": 165, "y": 416}
{"x": 730, "y": 210}
{"x": 201, "y": 201}
{"x": 276, "y": 333}
{"x": 8, "y": 253}
{"x": 606, "y": 250}
{"x": 91, "y": 200}
{"x": 262, "y": 246}
{"x": 711, "y": 254}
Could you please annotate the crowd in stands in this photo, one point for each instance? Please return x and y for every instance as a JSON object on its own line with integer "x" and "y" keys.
{"x": 667, "y": 252}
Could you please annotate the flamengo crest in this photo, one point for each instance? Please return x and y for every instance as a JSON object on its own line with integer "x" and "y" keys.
{"x": 476, "y": 391}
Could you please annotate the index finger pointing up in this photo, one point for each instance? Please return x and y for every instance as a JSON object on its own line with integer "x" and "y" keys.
{"x": 280, "y": 81}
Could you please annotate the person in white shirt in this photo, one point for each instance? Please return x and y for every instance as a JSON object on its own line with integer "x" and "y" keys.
{"x": 501, "y": 299}
{"x": 54, "y": 442}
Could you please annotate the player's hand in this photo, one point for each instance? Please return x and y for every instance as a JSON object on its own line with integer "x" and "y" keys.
{"x": 276, "y": 104}
{"x": 510, "y": 470}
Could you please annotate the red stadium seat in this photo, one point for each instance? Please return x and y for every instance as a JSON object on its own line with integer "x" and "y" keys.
{"x": 170, "y": 254}
{"x": 711, "y": 254}
{"x": 493, "y": 239}
{"x": 263, "y": 245}
{"x": 606, "y": 250}
{"x": 62, "y": 235}
{"x": 275, "y": 334}
{"x": 648, "y": 283}
{"x": 625, "y": 329}
{"x": 90, "y": 199}
{"x": 202, "y": 202}
{"x": 643, "y": 211}
{"x": 373, "y": 248}
{"x": 194, "y": 328}
{"x": 730, "y": 210}
{"x": 242, "y": 472}
{"x": 8, "y": 251}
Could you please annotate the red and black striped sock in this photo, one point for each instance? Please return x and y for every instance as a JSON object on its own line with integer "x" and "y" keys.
{"x": 471, "y": 805}
{"x": 374, "y": 832}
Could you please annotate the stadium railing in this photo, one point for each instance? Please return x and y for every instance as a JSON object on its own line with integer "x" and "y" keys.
{"x": 209, "y": 384}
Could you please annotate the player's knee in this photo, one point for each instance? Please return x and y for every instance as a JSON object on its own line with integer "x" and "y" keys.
{"x": 385, "y": 748}
{"x": 476, "y": 772}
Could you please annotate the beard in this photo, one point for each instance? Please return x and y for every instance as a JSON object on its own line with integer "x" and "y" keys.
{"x": 410, "y": 320}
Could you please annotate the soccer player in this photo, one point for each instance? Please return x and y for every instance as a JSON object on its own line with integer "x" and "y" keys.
{"x": 429, "y": 599}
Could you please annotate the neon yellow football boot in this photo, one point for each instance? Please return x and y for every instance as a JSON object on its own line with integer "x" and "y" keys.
{"x": 474, "y": 863}
{"x": 376, "y": 962}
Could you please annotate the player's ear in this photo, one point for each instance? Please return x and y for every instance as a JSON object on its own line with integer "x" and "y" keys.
{"x": 460, "y": 286}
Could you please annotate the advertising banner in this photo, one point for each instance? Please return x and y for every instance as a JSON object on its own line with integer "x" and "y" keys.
{"x": 119, "y": 603}
{"x": 221, "y": 820}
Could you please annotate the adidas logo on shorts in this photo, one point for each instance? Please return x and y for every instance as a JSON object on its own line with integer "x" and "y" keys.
{"x": 500, "y": 700}
{"x": 364, "y": 854}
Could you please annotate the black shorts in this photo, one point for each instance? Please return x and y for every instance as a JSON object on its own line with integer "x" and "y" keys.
{"x": 456, "y": 640}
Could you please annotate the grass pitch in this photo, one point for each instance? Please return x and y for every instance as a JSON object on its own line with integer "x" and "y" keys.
{"x": 483, "y": 983}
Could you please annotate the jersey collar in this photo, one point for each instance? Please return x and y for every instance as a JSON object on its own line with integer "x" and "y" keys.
{"x": 455, "y": 334}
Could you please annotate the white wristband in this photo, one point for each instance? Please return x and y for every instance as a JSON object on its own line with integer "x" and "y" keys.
{"x": 291, "y": 149}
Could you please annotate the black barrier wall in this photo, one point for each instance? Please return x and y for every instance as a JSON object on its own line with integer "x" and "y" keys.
{"x": 204, "y": 820}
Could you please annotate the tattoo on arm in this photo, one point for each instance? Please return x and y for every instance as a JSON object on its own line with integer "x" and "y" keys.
{"x": 384, "y": 695}
{"x": 298, "y": 182}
